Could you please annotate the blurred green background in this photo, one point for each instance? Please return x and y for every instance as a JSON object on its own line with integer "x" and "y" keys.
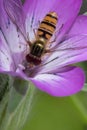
{"x": 52, "y": 113}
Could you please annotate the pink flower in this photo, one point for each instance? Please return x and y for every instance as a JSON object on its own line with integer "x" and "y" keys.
{"x": 55, "y": 75}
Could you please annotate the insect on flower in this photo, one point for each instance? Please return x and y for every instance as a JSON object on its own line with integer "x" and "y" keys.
{"x": 45, "y": 55}
{"x": 44, "y": 33}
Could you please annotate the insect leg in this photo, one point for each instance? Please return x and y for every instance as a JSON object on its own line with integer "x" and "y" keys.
{"x": 34, "y": 30}
{"x": 28, "y": 39}
{"x": 48, "y": 50}
{"x": 59, "y": 29}
{"x": 53, "y": 40}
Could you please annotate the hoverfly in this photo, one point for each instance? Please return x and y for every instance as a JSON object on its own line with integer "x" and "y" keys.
{"x": 43, "y": 35}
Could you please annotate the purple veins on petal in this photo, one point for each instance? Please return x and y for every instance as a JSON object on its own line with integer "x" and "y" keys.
{"x": 68, "y": 52}
{"x": 12, "y": 34}
{"x": 79, "y": 26}
{"x": 66, "y": 14}
{"x": 6, "y": 61}
{"x": 16, "y": 14}
{"x": 54, "y": 75}
{"x": 62, "y": 83}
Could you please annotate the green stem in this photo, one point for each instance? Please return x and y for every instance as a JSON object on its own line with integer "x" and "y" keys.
{"x": 79, "y": 107}
{"x": 19, "y": 106}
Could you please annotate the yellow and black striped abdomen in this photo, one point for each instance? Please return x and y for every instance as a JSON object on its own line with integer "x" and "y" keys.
{"x": 48, "y": 26}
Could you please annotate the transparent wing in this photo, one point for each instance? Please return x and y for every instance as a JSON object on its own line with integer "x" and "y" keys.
{"x": 72, "y": 50}
{"x": 15, "y": 12}
{"x": 72, "y": 42}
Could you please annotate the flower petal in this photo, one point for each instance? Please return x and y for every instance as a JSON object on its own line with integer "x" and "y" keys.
{"x": 61, "y": 84}
{"x": 15, "y": 12}
{"x": 79, "y": 27}
{"x": 69, "y": 52}
{"x": 67, "y": 11}
{"x": 12, "y": 36}
{"x": 6, "y": 60}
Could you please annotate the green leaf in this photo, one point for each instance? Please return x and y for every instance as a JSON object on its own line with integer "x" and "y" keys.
{"x": 18, "y": 108}
{"x": 4, "y": 81}
{"x": 4, "y": 91}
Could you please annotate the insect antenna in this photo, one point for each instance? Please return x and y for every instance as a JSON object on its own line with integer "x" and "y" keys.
{"x": 83, "y": 36}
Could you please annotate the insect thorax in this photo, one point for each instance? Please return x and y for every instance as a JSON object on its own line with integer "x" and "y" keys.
{"x": 38, "y": 48}
{"x": 36, "y": 51}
